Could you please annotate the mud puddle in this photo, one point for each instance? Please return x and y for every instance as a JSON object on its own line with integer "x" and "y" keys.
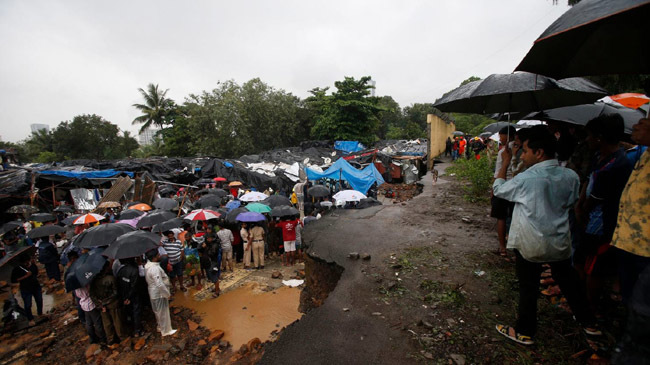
{"x": 246, "y": 312}
{"x": 50, "y": 300}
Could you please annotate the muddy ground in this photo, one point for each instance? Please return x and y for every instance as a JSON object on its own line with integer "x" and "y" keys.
{"x": 431, "y": 292}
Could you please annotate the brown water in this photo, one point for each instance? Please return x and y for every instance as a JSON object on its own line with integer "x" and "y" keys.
{"x": 246, "y": 312}
{"x": 50, "y": 300}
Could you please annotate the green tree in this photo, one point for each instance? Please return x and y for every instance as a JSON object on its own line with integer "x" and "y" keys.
{"x": 391, "y": 115}
{"x": 470, "y": 79}
{"x": 87, "y": 136}
{"x": 128, "y": 144}
{"x": 37, "y": 142}
{"x": 417, "y": 113}
{"x": 156, "y": 108}
{"x": 349, "y": 113}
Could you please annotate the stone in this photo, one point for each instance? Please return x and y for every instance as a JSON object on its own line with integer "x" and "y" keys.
{"x": 138, "y": 345}
{"x": 181, "y": 344}
{"x": 216, "y": 335}
{"x": 174, "y": 350}
{"x": 192, "y": 325}
{"x": 243, "y": 349}
{"x": 45, "y": 333}
{"x": 214, "y": 349}
{"x": 451, "y": 321}
{"x": 276, "y": 275}
{"x": 458, "y": 359}
{"x": 365, "y": 256}
{"x": 428, "y": 355}
{"x": 201, "y": 343}
{"x": 127, "y": 342}
{"x": 224, "y": 344}
{"x": 354, "y": 255}
{"x": 254, "y": 344}
{"x": 376, "y": 314}
{"x": 163, "y": 347}
{"x": 176, "y": 310}
{"x": 114, "y": 346}
{"x": 155, "y": 357}
{"x": 466, "y": 220}
{"x": 346, "y": 309}
{"x": 92, "y": 350}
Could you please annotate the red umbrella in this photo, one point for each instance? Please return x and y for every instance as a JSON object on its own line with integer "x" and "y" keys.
{"x": 631, "y": 100}
{"x": 202, "y": 215}
{"x": 219, "y": 179}
{"x": 88, "y": 218}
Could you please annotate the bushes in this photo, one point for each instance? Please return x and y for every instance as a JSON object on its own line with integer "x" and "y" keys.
{"x": 478, "y": 174}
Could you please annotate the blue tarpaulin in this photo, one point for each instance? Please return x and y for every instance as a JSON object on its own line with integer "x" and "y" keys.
{"x": 348, "y": 146}
{"x": 359, "y": 180}
{"x": 85, "y": 174}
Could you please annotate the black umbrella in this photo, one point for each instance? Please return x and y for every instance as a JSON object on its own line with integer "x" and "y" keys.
{"x": 10, "y": 226}
{"x": 132, "y": 244}
{"x": 283, "y": 211}
{"x": 209, "y": 200}
{"x": 496, "y": 127}
{"x": 165, "y": 204}
{"x": 70, "y": 279}
{"x": 520, "y": 91}
{"x": 582, "y": 114}
{"x": 45, "y": 231}
{"x": 64, "y": 209}
{"x": 218, "y": 192}
{"x": 458, "y": 133}
{"x": 11, "y": 258}
{"x": 88, "y": 266}
{"x": 594, "y": 37}
{"x": 485, "y": 135}
{"x": 131, "y": 214}
{"x": 276, "y": 200}
{"x": 167, "y": 225}
{"x": 231, "y": 217}
{"x": 101, "y": 235}
{"x": 69, "y": 220}
{"x": 154, "y": 218}
{"x": 204, "y": 181}
{"x": 22, "y": 209}
{"x": 367, "y": 203}
{"x": 42, "y": 217}
{"x": 318, "y": 191}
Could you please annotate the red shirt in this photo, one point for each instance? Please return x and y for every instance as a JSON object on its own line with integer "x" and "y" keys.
{"x": 288, "y": 230}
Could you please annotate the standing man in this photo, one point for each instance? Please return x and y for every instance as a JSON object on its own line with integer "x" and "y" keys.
{"x": 103, "y": 292}
{"x": 25, "y": 274}
{"x": 289, "y": 237}
{"x": 543, "y": 196}
{"x": 257, "y": 238}
{"x": 226, "y": 238}
{"x": 501, "y": 207}
{"x": 448, "y": 146}
{"x": 158, "y": 288}
{"x": 245, "y": 237}
{"x": 461, "y": 147}
{"x": 128, "y": 288}
{"x": 176, "y": 256}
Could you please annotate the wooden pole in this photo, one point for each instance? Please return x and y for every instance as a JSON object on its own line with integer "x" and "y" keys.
{"x": 180, "y": 208}
{"x": 53, "y": 195}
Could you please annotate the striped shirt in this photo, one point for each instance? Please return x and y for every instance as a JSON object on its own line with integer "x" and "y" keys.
{"x": 174, "y": 249}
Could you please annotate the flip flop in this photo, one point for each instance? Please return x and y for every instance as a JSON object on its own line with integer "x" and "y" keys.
{"x": 511, "y": 334}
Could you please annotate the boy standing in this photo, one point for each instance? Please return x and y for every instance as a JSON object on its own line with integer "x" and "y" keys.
{"x": 158, "y": 287}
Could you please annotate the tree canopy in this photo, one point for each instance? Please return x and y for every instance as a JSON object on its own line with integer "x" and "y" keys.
{"x": 156, "y": 110}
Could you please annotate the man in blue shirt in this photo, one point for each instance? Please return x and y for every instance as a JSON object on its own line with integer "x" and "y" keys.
{"x": 539, "y": 233}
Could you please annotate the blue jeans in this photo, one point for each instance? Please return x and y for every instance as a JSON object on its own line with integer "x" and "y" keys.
{"x": 454, "y": 154}
{"x": 37, "y": 294}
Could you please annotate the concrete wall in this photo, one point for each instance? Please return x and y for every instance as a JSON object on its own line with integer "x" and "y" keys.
{"x": 439, "y": 130}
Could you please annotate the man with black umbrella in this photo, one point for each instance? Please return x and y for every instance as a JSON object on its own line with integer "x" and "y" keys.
{"x": 49, "y": 257}
{"x": 129, "y": 286}
{"x": 103, "y": 291}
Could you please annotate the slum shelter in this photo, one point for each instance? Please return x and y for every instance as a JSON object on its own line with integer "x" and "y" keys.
{"x": 341, "y": 170}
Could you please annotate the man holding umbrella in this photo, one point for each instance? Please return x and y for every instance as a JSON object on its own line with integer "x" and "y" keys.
{"x": 26, "y": 275}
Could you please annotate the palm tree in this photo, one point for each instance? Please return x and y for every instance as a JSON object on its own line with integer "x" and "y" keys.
{"x": 155, "y": 109}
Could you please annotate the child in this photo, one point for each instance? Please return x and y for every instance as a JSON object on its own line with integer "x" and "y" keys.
{"x": 158, "y": 286}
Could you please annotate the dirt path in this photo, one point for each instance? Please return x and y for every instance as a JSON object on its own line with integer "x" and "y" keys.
{"x": 432, "y": 291}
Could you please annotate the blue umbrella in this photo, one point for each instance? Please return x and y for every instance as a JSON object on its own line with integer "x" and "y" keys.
{"x": 233, "y": 204}
{"x": 88, "y": 266}
{"x": 250, "y": 217}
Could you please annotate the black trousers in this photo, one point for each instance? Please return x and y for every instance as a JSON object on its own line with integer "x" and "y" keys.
{"x": 565, "y": 276}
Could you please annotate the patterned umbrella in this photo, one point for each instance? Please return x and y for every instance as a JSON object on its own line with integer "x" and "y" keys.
{"x": 202, "y": 215}
{"x": 88, "y": 218}
{"x": 253, "y": 196}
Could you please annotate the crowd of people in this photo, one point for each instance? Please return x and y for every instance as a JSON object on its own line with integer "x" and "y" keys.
{"x": 576, "y": 200}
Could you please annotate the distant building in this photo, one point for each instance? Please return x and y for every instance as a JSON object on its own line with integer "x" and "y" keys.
{"x": 146, "y": 137}
{"x": 37, "y": 127}
{"x": 372, "y": 83}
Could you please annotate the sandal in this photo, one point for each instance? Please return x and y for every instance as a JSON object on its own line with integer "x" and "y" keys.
{"x": 511, "y": 334}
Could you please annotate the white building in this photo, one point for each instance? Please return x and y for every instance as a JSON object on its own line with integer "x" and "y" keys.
{"x": 372, "y": 83}
{"x": 37, "y": 127}
{"x": 146, "y": 137}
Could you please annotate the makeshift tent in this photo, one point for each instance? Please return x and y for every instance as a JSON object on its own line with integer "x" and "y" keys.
{"x": 360, "y": 180}
{"x": 348, "y": 146}
{"x": 62, "y": 174}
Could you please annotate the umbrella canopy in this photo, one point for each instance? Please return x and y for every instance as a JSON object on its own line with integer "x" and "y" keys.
{"x": 233, "y": 204}
{"x": 10, "y": 226}
{"x": 250, "y": 217}
{"x": 253, "y": 196}
{"x": 154, "y": 218}
{"x": 231, "y": 217}
{"x": 485, "y": 135}
{"x": 582, "y": 114}
{"x": 101, "y": 235}
{"x": 141, "y": 206}
{"x": 235, "y": 183}
{"x": 209, "y": 200}
{"x": 11, "y": 258}
{"x": 88, "y": 218}
{"x": 349, "y": 196}
{"x": 22, "y": 209}
{"x": 284, "y": 211}
{"x": 70, "y": 278}
{"x": 64, "y": 209}
{"x": 165, "y": 204}
{"x": 277, "y": 200}
{"x": 132, "y": 244}
{"x": 318, "y": 191}
{"x": 45, "y": 231}
{"x": 131, "y": 213}
{"x": 457, "y": 133}
{"x": 218, "y": 192}
{"x": 521, "y": 92}
{"x": 69, "y": 220}
{"x": 258, "y": 208}
{"x": 89, "y": 265}
{"x": 42, "y": 217}
{"x": 594, "y": 37}
{"x": 496, "y": 127}
{"x": 219, "y": 179}
{"x": 109, "y": 205}
{"x": 203, "y": 181}
{"x": 167, "y": 225}
{"x": 631, "y": 100}
{"x": 202, "y": 215}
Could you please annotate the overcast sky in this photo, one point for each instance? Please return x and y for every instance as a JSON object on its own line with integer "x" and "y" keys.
{"x": 64, "y": 58}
